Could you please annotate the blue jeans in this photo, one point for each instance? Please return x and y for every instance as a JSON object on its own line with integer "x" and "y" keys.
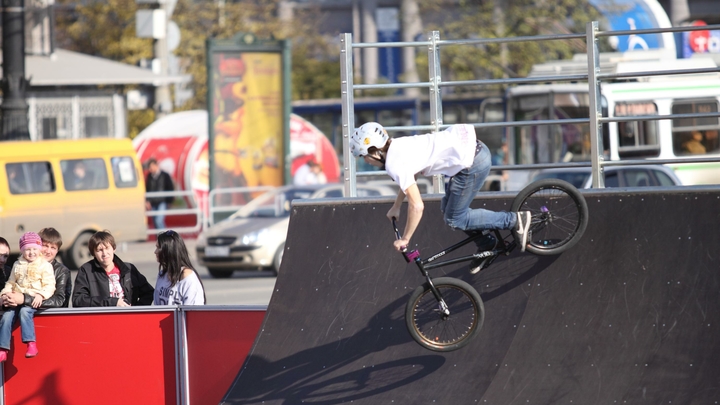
{"x": 27, "y": 325}
{"x": 460, "y": 191}
{"x": 159, "y": 220}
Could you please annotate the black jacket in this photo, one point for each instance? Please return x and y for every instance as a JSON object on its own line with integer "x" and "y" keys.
{"x": 92, "y": 286}
{"x": 63, "y": 288}
{"x": 163, "y": 182}
{"x": 5, "y": 273}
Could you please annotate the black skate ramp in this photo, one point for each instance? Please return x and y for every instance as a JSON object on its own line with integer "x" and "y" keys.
{"x": 630, "y": 315}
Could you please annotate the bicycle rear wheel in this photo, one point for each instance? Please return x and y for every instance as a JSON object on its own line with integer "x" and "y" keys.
{"x": 434, "y": 330}
{"x": 559, "y": 215}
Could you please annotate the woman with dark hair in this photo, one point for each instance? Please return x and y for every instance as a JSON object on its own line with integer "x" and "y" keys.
{"x": 107, "y": 281}
{"x": 178, "y": 283}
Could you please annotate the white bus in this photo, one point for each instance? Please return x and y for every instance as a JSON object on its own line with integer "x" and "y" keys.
{"x": 642, "y": 139}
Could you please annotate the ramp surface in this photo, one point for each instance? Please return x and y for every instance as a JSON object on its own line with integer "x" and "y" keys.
{"x": 629, "y": 315}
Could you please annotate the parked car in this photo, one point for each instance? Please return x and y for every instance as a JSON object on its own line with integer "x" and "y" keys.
{"x": 253, "y": 238}
{"x": 615, "y": 176}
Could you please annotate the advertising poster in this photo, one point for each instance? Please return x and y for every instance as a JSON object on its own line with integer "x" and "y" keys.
{"x": 630, "y": 15}
{"x": 247, "y": 117}
{"x": 700, "y": 42}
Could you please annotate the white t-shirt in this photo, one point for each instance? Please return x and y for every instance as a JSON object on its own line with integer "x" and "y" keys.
{"x": 446, "y": 152}
{"x": 187, "y": 291}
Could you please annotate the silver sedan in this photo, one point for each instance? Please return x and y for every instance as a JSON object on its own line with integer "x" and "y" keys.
{"x": 253, "y": 238}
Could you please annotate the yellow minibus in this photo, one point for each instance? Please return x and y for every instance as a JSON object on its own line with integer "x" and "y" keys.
{"x": 75, "y": 186}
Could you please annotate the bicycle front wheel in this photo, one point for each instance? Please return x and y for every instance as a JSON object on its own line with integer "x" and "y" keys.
{"x": 436, "y": 330}
{"x": 559, "y": 215}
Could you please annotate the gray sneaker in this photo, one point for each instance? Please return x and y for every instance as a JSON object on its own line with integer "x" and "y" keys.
{"x": 523, "y": 227}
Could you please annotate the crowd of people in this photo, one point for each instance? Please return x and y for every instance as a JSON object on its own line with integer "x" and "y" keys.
{"x": 39, "y": 280}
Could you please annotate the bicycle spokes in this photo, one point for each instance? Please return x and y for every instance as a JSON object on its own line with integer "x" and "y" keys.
{"x": 559, "y": 215}
{"x": 446, "y": 322}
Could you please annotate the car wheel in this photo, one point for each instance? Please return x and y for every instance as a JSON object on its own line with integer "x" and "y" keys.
{"x": 220, "y": 273}
{"x": 78, "y": 253}
{"x": 277, "y": 260}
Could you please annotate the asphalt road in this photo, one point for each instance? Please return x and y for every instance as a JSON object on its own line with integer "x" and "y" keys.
{"x": 244, "y": 288}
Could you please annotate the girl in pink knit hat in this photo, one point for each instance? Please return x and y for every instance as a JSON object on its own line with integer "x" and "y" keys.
{"x": 33, "y": 275}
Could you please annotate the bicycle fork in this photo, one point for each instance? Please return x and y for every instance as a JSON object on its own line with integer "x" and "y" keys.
{"x": 414, "y": 256}
{"x": 442, "y": 305}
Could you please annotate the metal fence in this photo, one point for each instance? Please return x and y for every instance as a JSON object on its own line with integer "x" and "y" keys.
{"x": 206, "y": 211}
{"x": 435, "y": 83}
{"x": 218, "y": 210}
{"x": 193, "y": 209}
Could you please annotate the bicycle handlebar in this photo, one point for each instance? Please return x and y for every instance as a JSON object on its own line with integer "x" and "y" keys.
{"x": 397, "y": 233}
{"x": 412, "y": 255}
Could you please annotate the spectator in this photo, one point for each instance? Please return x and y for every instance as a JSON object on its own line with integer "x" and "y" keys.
{"x": 178, "y": 282}
{"x": 78, "y": 179}
{"x": 16, "y": 179}
{"x": 308, "y": 174}
{"x": 158, "y": 180}
{"x": 107, "y": 281}
{"x": 51, "y": 243}
{"x": 694, "y": 144}
{"x": 31, "y": 274}
{"x": 4, "y": 256}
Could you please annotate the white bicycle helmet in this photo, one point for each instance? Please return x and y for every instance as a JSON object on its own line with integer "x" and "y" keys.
{"x": 368, "y": 135}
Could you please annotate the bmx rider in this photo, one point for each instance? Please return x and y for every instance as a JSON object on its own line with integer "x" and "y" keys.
{"x": 455, "y": 152}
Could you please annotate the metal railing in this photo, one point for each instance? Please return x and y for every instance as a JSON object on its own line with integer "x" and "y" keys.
{"x": 189, "y": 197}
{"x": 217, "y": 209}
{"x": 206, "y": 212}
{"x": 435, "y": 83}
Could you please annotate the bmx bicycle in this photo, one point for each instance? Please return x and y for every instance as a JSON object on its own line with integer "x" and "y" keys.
{"x": 445, "y": 313}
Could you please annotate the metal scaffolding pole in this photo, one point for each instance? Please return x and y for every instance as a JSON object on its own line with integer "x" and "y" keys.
{"x": 14, "y": 107}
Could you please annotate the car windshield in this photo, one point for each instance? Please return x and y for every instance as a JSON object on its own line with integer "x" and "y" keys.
{"x": 272, "y": 204}
{"x": 577, "y": 179}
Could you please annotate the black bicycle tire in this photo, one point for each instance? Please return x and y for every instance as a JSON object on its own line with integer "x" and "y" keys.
{"x": 442, "y": 284}
{"x": 544, "y": 248}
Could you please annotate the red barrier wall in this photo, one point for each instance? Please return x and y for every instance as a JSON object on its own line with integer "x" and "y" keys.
{"x": 96, "y": 358}
{"x": 218, "y": 343}
{"x": 128, "y": 358}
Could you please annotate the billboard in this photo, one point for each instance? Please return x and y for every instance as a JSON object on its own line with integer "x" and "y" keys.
{"x": 247, "y": 119}
{"x": 700, "y": 42}
{"x": 631, "y": 15}
{"x": 248, "y": 112}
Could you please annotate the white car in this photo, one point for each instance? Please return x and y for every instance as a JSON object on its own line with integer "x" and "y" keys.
{"x": 253, "y": 238}
{"x": 615, "y": 176}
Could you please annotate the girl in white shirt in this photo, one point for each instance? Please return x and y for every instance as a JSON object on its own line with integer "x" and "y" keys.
{"x": 178, "y": 283}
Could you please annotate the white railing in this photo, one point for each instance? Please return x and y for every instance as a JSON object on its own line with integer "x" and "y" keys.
{"x": 215, "y": 207}
{"x": 204, "y": 211}
{"x": 189, "y": 197}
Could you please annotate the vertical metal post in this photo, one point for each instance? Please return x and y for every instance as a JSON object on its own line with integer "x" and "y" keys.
{"x": 436, "y": 115}
{"x": 210, "y": 96}
{"x": 163, "y": 100}
{"x": 179, "y": 370}
{"x": 14, "y": 118}
{"x": 185, "y": 368}
{"x": 434, "y": 74}
{"x": 2, "y": 385}
{"x": 287, "y": 107}
{"x": 348, "y": 113}
{"x": 596, "y": 138}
